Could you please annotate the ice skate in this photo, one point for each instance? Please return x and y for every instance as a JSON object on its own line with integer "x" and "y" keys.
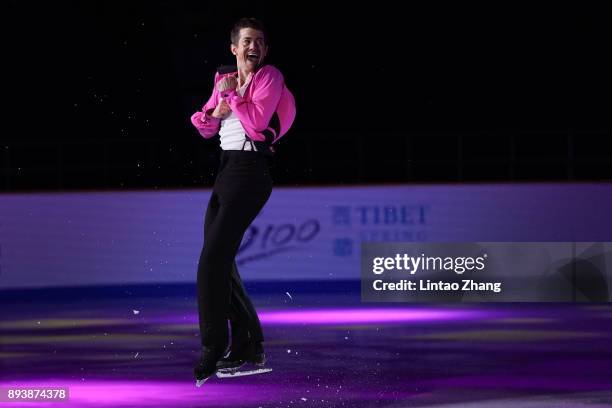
{"x": 233, "y": 364}
{"x": 241, "y": 372}
{"x": 241, "y": 354}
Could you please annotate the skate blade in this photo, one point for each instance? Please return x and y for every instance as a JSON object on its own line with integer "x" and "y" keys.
{"x": 200, "y": 383}
{"x": 229, "y": 374}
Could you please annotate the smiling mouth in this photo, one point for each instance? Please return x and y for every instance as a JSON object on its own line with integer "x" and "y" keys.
{"x": 253, "y": 57}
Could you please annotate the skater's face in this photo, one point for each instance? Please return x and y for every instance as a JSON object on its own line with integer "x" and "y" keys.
{"x": 250, "y": 50}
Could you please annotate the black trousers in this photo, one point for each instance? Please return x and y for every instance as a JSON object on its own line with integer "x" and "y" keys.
{"x": 242, "y": 187}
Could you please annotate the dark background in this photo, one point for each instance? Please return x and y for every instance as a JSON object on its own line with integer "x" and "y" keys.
{"x": 98, "y": 94}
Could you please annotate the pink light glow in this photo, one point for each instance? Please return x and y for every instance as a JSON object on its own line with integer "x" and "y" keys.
{"x": 363, "y": 316}
{"x": 96, "y": 393}
{"x": 215, "y": 393}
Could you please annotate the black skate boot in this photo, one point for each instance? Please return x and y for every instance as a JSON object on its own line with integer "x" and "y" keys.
{"x": 207, "y": 366}
{"x": 238, "y": 356}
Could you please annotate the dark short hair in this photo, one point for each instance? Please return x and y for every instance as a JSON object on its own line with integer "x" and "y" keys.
{"x": 247, "y": 22}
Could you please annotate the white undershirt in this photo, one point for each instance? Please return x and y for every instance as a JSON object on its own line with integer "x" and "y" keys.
{"x": 232, "y": 133}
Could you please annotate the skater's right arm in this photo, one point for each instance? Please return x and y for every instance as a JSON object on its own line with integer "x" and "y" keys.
{"x": 203, "y": 120}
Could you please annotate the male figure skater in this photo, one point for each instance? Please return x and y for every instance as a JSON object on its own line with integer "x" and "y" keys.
{"x": 250, "y": 108}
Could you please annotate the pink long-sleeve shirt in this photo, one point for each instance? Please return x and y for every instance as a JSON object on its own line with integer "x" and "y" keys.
{"x": 266, "y": 110}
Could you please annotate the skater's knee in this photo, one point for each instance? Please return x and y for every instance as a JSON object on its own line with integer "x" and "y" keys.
{"x": 211, "y": 253}
{"x": 216, "y": 258}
